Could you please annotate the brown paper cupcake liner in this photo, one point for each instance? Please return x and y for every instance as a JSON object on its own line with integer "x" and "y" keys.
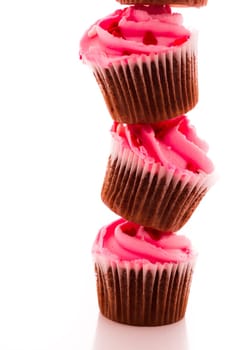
{"x": 183, "y": 3}
{"x": 148, "y": 295}
{"x": 151, "y": 194}
{"x": 151, "y": 88}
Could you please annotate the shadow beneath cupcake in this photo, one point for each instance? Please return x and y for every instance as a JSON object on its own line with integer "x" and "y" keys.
{"x": 115, "y": 336}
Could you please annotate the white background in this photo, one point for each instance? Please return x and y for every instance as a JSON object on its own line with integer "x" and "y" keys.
{"x": 54, "y": 144}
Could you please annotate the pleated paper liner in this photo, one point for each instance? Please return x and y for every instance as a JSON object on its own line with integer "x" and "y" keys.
{"x": 151, "y": 194}
{"x": 147, "y": 89}
{"x": 147, "y": 295}
{"x": 183, "y": 3}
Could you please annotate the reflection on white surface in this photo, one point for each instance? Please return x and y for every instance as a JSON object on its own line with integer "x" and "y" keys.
{"x": 115, "y": 336}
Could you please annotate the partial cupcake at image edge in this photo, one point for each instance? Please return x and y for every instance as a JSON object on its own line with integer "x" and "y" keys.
{"x": 183, "y": 3}
{"x": 143, "y": 276}
{"x": 157, "y": 174}
{"x": 145, "y": 62}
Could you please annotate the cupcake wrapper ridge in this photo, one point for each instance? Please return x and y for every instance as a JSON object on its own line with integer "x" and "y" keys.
{"x": 150, "y": 194}
{"x": 148, "y": 295}
{"x": 183, "y": 3}
{"x": 147, "y": 89}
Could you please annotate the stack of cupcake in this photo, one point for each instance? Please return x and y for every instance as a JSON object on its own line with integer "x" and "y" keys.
{"x": 145, "y": 62}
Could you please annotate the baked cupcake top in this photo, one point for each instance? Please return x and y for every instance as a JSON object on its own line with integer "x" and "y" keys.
{"x": 131, "y": 31}
{"x": 172, "y": 143}
{"x": 124, "y": 241}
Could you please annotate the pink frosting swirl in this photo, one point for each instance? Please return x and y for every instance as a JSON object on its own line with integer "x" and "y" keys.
{"x": 126, "y": 241}
{"x": 173, "y": 143}
{"x": 132, "y": 30}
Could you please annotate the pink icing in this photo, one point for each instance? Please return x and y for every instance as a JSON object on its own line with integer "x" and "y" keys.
{"x": 126, "y": 241}
{"x": 173, "y": 143}
{"x": 133, "y": 30}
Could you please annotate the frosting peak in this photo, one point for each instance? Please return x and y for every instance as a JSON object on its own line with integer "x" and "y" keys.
{"x": 143, "y": 29}
{"x": 173, "y": 143}
{"x": 126, "y": 241}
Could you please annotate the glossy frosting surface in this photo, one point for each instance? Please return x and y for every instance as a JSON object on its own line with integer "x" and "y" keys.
{"x": 125, "y": 241}
{"x": 173, "y": 143}
{"x": 132, "y": 30}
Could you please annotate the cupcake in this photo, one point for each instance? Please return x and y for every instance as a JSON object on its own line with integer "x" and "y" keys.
{"x": 157, "y": 174}
{"x": 145, "y": 63}
{"x": 143, "y": 275}
{"x": 184, "y": 3}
